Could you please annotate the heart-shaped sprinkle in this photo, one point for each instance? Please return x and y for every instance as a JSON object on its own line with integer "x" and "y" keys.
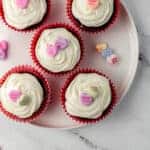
{"x": 113, "y": 59}
{"x": 3, "y": 49}
{"x": 52, "y": 50}
{"x": 86, "y": 99}
{"x": 22, "y": 3}
{"x": 14, "y": 95}
{"x": 93, "y": 4}
{"x": 61, "y": 43}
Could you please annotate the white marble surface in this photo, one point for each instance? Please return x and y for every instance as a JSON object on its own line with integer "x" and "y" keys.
{"x": 128, "y": 128}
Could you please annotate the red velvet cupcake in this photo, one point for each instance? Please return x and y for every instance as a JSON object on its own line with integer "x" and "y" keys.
{"x": 24, "y": 15}
{"x": 25, "y": 94}
{"x": 93, "y": 15}
{"x": 88, "y": 96}
{"x": 57, "y": 49}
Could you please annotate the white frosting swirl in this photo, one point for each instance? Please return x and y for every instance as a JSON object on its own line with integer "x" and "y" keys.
{"x": 24, "y": 18}
{"x": 66, "y": 59}
{"x": 100, "y": 102}
{"x": 30, "y": 100}
{"x": 93, "y": 17}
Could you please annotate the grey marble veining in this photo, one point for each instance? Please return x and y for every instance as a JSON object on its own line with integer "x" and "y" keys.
{"x": 128, "y": 128}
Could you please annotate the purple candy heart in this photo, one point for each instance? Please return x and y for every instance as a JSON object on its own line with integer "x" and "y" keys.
{"x": 86, "y": 99}
{"x": 61, "y": 43}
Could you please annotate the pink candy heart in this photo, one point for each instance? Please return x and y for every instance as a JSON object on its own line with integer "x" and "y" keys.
{"x": 60, "y": 44}
{"x": 52, "y": 50}
{"x": 22, "y": 3}
{"x": 14, "y": 95}
{"x": 3, "y": 49}
{"x": 93, "y": 3}
{"x": 113, "y": 59}
{"x": 86, "y": 99}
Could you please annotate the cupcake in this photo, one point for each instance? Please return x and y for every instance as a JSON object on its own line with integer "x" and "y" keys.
{"x": 24, "y": 94}
{"x": 23, "y": 14}
{"x": 88, "y": 96}
{"x": 92, "y": 15}
{"x": 57, "y": 49}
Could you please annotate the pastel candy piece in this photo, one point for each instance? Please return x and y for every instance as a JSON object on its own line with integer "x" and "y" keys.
{"x": 107, "y": 53}
{"x": 22, "y": 3}
{"x": 92, "y": 91}
{"x": 3, "y": 49}
{"x": 14, "y": 95}
{"x": 3, "y": 54}
{"x": 4, "y": 45}
{"x": 25, "y": 99}
{"x": 101, "y": 46}
{"x": 52, "y": 50}
{"x": 86, "y": 99}
{"x": 113, "y": 59}
{"x": 93, "y": 4}
{"x": 61, "y": 43}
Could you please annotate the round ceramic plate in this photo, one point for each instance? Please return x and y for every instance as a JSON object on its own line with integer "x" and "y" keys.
{"x": 122, "y": 38}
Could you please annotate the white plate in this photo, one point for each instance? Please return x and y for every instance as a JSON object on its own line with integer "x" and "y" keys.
{"x": 122, "y": 37}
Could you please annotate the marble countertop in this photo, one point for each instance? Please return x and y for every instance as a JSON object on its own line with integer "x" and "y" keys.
{"x": 128, "y": 128}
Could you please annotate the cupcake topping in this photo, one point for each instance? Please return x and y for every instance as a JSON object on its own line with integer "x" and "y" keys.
{"x": 22, "y": 3}
{"x": 93, "y": 13}
{"x": 3, "y": 49}
{"x": 88, "y": 95}
{"x": 60, "y": 44}
{"x": 58, "y": 50}
{"x": 14, "y": 95}
{"x": 86, "y": 99}
{"x": 93, "y": 4}
{"x": 21, "y": 94}
{"x": 22, "y": 14}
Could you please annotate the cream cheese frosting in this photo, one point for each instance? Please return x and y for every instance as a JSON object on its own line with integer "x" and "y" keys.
{"x": 21, "y": 94}
{"x": 93, "y": 13}
{"x": 88, "y": 96}
{"x": 58, "y": 50}
{"x": 21, "y": 15}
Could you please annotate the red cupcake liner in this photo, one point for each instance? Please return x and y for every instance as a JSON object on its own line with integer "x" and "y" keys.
{"x": 107, "y": 112}
{"x": 43, "y": 82}
{"x": 31, "y": 28}
{"x": 82, "y": 27}
{"x": 35, "y": 40}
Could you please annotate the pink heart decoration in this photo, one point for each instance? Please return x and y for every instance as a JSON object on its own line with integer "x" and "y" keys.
{"x": 93, "y": 3}
{"x": 14, "y": 95}
{"x": 3, "y": 49}
{"x": 22, "y": 3}
{"x": 113, "y": 59}
{"x": 86, "y": 99}
{"x": 52, "y": 50}
{"x": 60, "y": 44}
